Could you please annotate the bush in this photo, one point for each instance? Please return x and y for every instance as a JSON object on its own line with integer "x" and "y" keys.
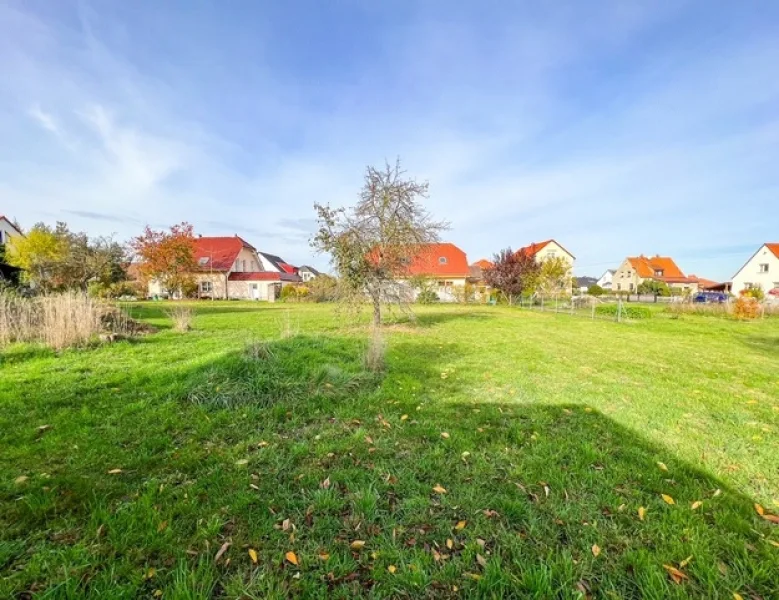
{"x": 294, "y": 293}
{"x": 657, "y": 288}
{"x": 755, "y": 293}
{"x": 58, "y": 320}
{"x": 628, "y": 312}
{"x": 595, "y": 290}
{"x": 427, "y": 296}
{"x": 323, "y": 289}
{"x": 746, "y": 308}
{"x": 181, "y": 317}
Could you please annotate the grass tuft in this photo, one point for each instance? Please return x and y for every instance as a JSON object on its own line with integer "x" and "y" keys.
{"x": 182, "y": 317}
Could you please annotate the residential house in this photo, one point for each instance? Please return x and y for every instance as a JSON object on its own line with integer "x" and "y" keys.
{"x": 7, "y": 231}
{"x": 542, "y": 251}
{"x": 761, "y": 270}
{"x": 444, "y": 265}
{"x": 308, "y": 273}
{"x": 634, "y": 270}
{"x": 231, "y": 268}
{"x": 585, "y": 283}
{"x": 476, "y": 278}
{"x": 605, "y": 280}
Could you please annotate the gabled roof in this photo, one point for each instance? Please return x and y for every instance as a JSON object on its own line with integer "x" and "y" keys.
{"x": 11, "y": 223}
{"x": 219, "y": 253}
{"x": 703, "y": 283}
{"x": 647, "y": 266}
{"x": 309, "y": 269}
{"x": 772, "y": 247}
{"x": 278, "y": 263}
{"x": 536, "y": 247}
{"x": 439, "y": 260}
{"x": 483, "y": 264}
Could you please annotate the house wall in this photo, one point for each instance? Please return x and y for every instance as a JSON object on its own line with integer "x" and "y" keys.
{"x": 605, "y": 280}
{"x": 266, "y": 264}
{"x": 6, "y": 231}
{"x": 555, "y": 250}
{"x": 443, "y": 286}
{"x": 750, "y": 272}
{"x": 248, "y": 261}
{"x": 625, "y": 278}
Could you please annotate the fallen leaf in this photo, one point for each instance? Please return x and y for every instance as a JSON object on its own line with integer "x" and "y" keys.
{"x": 221, "y": 551}
{"x": 403, "y": 417}
{"x": 481, "y": 560}
{"x": 774, "y": 543}
{"x": 641, "y": 512}
{"x": 696, "y": 505}
{"x": 392, "y": 569}
{"x": 439, "y": 489}
{"x": 357, "y": 545}
{"x": 450, "y": 543}
{"x": 291, "y": 558}
{"x": 760, "y": 510}
{"x": 162, "y": 526}
{"x": 772, "y": 519}
{"x": 323, "y": 555}
{"x": 254, "y": 486}
{"x": 44, "y": 428}
{"x": 262, "y": 444}
{"x": 253, "y": 555}
{"x": 460, "y": 525}
{"x": 737, "y": 596}
{"x": 114, "y": 471}
{"x": 286, "y": 524}
{"x": 445, "y": 435}
{"x": 21, "y": 479}
{"x": 474, "y": 576}
{"x": 717, "y": 492}
{"x": 368, "y": 439}
{"x": 676, "y": 575}
{"x": 685, "y": 562}
{"x": 325, "y": 485}
{"x": 595, "y": 550}
{"x": 662, "y": 467}
{"x": 243, "y": 461}
{"x": 157, "y": 593}
{"x": 667, "y": 499}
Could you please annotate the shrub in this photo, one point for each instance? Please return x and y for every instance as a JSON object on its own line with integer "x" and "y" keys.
{"x": 595, "y": 290}
{"x": 755, "y": 292}
{"x": 181, "y": 317}
{"x": 427, "y": 296}
{"x": 746, "y": 308}
{"x": 293, "y": 293}
{"x": 58, "y": 320}
{"x": 628, "y": 312}
{"x": 323, "y": 289}
{"x": 658, "y": 288}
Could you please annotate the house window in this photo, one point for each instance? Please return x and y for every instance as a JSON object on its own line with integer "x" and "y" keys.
{"x": 442, "y": 260}
{"x": 203, "y": 261}
{"x": 631, "y": 287}
{"x": 551, "y": 254}
{"x": 764, "y": 268}
{"x": 243, "y": 265}
{"x": 206, "y": 287}
{"x": 619, "y": 286}
{"x": 658, "y": 273}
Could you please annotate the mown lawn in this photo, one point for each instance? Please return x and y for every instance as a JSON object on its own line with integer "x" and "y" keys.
{"x": 260, "y": 436}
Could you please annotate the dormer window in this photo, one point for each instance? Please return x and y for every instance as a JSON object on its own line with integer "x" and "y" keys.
{"x": 442, "y": 260}
{"x": 203, "y": 261}
{"x": 658, "y": 273}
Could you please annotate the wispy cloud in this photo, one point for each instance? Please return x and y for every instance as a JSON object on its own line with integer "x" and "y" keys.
{"x": 618, "y": 128}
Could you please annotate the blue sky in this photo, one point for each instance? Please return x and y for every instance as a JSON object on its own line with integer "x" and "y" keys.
{"x": 614, "y": 127}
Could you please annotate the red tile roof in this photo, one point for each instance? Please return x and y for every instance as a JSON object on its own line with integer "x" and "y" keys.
{"x": 440, "y": 260}
{"x": 221, "y": 252}
{"x": 703, "y": 283}
{"x": 647, "y": 266}
{"x": 773, "y": 247}
{"x": 483, "y": 264}
{"x": 536, "y": 247}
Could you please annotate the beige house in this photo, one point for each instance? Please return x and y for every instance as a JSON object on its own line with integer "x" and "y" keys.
{"x": 231, "y": 268}
{"x": 634, "y": 270}
{"x": 762, "y": 270}
{"x": 542, "y": 251}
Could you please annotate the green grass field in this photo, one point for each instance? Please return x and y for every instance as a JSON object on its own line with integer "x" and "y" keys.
{"x": 260, "y": 433}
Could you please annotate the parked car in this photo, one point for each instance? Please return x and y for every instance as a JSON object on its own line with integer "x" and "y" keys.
{"x": 709, "y": 297}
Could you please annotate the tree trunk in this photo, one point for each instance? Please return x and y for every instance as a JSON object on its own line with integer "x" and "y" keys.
{"x": 376, "y": 310}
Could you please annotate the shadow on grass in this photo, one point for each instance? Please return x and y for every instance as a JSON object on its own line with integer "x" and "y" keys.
{"x": 296, "y": 429}
{"x": 768, "y": 345}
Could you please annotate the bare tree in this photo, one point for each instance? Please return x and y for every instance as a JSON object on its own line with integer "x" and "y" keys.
{"x": 372, "y": 244}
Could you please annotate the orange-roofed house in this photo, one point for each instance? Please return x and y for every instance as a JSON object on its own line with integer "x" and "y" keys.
{"x": 444, "y": 265}
{"x": 229, "y": 267}
{"x": 761, "y": 270}
{"x": 542, "y": 251}
{"x": 634, "y": 270}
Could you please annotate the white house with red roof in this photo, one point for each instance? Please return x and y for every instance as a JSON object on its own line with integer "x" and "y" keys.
{"x": 547, "y": 249}
{"x": 231, "y": 268}
{"x": 444, "y": 265}
{"x": 761, "y": 270}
